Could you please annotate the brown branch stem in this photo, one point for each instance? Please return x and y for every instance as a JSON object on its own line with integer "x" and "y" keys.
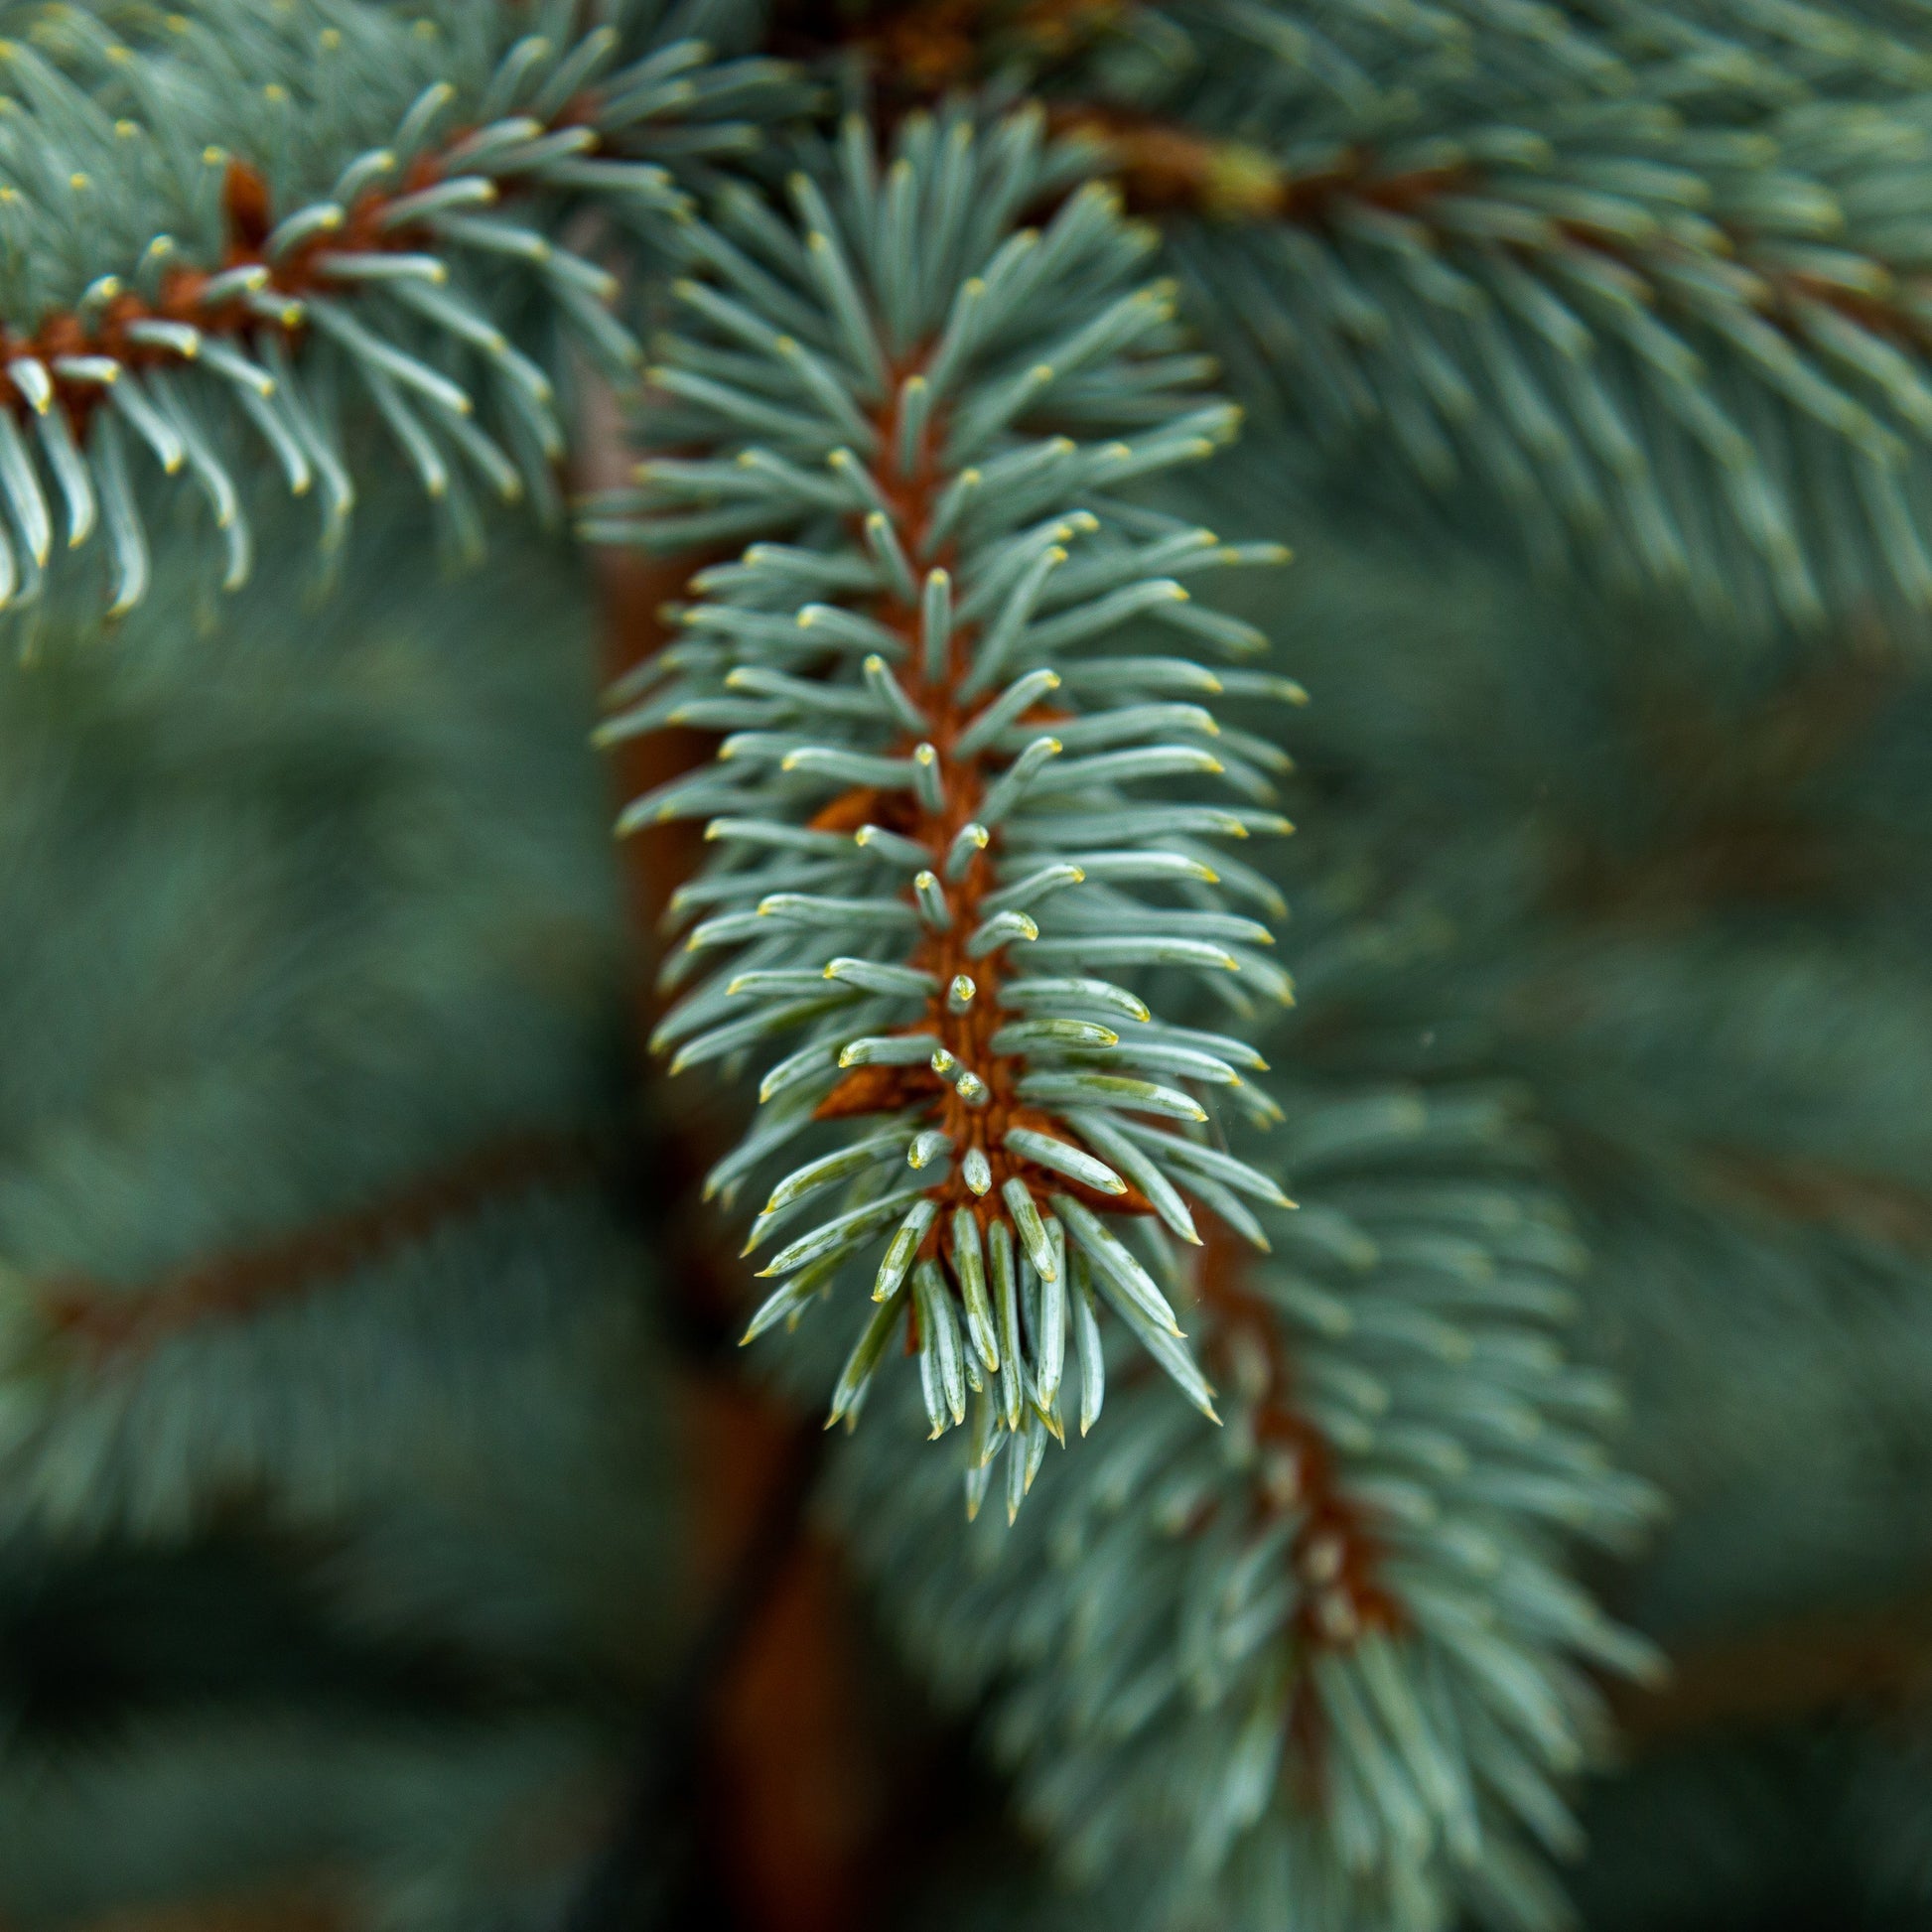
{"x": 1336, "y": 1551}
{"x": 111, "y": 1321}
{"x": 964, "y": 1029}
{"x": 1167, "y": 168}
{"x": 1878, "y": 1659}
{"x": 251, "y": 295}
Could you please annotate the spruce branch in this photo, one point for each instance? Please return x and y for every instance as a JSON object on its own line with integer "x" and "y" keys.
{"x": 1653, "y": 284}
{"x": 1362, "y": 55}
{"x": 1334, "y": 1546}
{"x": 204, "y": 236}
{"x": 932, "y": 47}
{"x": 1796, "y": 1671}
{"x": 1168, "y": 167}
{"x": 111, "y": 1324}
{"x": 324, "y": 936}
{"x": 927, "y": 770}
{"x": 1324, "y": 1668}
{"x": 1616, "y": 334}
{"x": 1871, "y": 1208}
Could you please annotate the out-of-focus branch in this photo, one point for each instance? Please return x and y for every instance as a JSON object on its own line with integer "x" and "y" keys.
{"x": 321, "y": 1906}
{"x": 1739, "y": 827}
{"x": 1867, "y": 1207}
{"x": 933, "y": 47}
{"x": 1167, "y": 167}
{"x": 1335, "y": 1545}
{"x": 1878, "y": 1659}
{"x": 110, "y": 1321}
{"x": 617, "y": 1891}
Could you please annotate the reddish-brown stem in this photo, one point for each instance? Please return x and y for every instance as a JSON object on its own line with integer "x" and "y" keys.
{"x": 1165, "y": 167}
{"x": 1877, "y": 1658}
{"x": 111, "y": 1321}
{"x": 930, "y": 49}
{"x": 1336, "y": 1550}
{"x": 249, "y": 220}
{"x": 947, "y": 711}
{"x": 1334, "y": 1553}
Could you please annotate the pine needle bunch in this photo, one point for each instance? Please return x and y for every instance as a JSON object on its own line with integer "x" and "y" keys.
{"x": 957, "y": 803}
{"x": 1326, "y": 1667}
{"x": 1641, "y": 288}
{"x": 321, "y": 1143}
{"x": 239, "y": 1249}
{"x": 209, "y": 236}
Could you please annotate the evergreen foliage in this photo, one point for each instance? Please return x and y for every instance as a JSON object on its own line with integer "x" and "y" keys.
{"x": 1648, "y": 279}
{"x": 1357, "y": 1592}
{"x": 191, "y": 212}
{"x": 1580, "y": 1168}
{"x": 225, "y": 850}
{"x": 929, "y": 650}
{"x": 334, "y": 1516}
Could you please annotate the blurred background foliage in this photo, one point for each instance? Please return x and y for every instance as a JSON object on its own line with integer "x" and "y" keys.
{"x": 390, "y": 1535}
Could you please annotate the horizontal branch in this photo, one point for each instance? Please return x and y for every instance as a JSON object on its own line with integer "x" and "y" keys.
{"x": 151, "y": 309}
{"x": 1739, "y": 787}
{"x": 111, "y": 1321}
{"x": 933, "y": 47}
{"x": 1866, "y": 1206}
{"x": 1663, "y": 368}
{"x": 268, "y": 264}
{"x": 1808, "y": 1668}
{"x": 1168, "y": 167}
